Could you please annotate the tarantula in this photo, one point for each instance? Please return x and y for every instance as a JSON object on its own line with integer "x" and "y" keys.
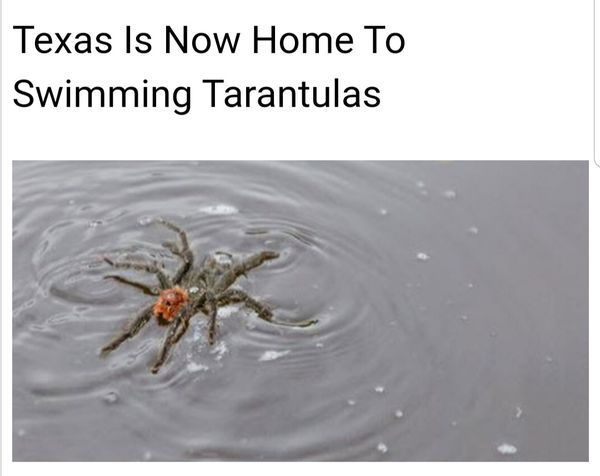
{"x": 189, "y": 291}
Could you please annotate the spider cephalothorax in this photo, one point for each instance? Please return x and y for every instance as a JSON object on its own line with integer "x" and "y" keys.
{"x": 190, "y": 291}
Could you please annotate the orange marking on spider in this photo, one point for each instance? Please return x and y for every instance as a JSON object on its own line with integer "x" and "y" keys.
{"x": 169, "y": 303}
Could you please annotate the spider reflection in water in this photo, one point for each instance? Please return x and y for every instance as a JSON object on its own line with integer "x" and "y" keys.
{"x": 188, "y": 291}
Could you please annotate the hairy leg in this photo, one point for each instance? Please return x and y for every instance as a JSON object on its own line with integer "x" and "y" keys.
{"x": 175, "y": 333}
{"x": 186, "y": 255}
{"x": 141, "y": 286}
{"x": 241, "y": 268}
{"x": 132, "y": 329}
{"x": 234, "y": 296}
{"x": 211, "y": 312}
{"x": 164, "y": 281}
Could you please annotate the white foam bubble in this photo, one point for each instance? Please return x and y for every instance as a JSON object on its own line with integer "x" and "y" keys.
{"x": 111, "y": 397}
{"x": 450, "y": 194}
{"x": 422, "y": 256}
{"x": 379, "y": 389}
{"x": 399, "y": 413}
{"x": 225, "y": 312}
{"x": 219, "y": 350}
{"x": 222, "y": 258}
{"x": 382, "y": 448}
{"x": 145, "y": 220}
{"x": 219, "y": 209}
{"x": 507, "y": 449}
{"x": 194, "y": 367}
{"x": 272, "y": 355}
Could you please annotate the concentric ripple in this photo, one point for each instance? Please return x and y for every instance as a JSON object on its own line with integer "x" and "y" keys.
{"x": 384, "y": 256}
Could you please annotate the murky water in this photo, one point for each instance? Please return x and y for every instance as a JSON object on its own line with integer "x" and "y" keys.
{"x": 452, "y": 301}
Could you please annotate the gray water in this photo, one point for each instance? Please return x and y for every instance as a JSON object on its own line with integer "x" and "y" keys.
{"x": 452, "y": 300}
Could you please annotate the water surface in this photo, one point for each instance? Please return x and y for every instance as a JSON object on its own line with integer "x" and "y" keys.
{"x": 452, "y": 301}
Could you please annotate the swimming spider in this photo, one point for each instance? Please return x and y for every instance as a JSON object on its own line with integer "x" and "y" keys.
{"x": 189, "y": 291}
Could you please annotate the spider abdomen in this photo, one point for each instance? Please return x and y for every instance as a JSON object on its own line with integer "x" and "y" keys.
{"x": 169, "y": 303}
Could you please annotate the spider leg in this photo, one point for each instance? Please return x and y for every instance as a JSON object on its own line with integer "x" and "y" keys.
{"x": 211, "y": 307}
{"x": 172, "y": 247}
{"x": 176, "y": 332}
{"x": 142, "y": 287}
{"x": 164, "y": 281}
{"x": 186, "y": 255}
{"x": 234, "y": 296}
{"x": 132, "y": 329}
{"x": 241, "y": 268}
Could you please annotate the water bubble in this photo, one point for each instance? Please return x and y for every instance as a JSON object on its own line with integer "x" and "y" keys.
{"x": 147, "y": 456}
{"x": 194, "y": 367}
{"x": 71, "y": 202}
{"x": 319, "y": 345}
{"x": 549, "y": 359}
{"x": 220, "y": 209}
{"x": 464, "y": 318}
{"x": 110, "y": 397}
{"x": 382, "y": 447}
{"x": 383, "y": 211}
{"x": 220, "y": 350}
{"x": 225, "y": 312}
{"x": 380, "y": 389}
{"x": 453, "y": 423}
{"x": 272, "y": 355}
{"x": 518, "y": 412}
{"x": 420, "y": 184}
{"x": 493, "y": 334}
{"x": 95, "y": 223}
{"x": 351, "y": 402}
{"x": 470, "y": 285}
{"x": 21, "y": 432}
{"x": 424, "y": 192}
{"x": 222, "y": 258}
{"x": 506, "y": 449}
{"x": 145, "y": 220}
{"x": 398, "y": 414}
{"x": 194, "y": 289}
{"x": 422, "y": 256}
{"x": 473, "y": 230}
{"x": 450, "y": 194}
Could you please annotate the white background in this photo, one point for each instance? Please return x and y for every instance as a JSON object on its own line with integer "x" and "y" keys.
{"x": 478, "y": 80}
